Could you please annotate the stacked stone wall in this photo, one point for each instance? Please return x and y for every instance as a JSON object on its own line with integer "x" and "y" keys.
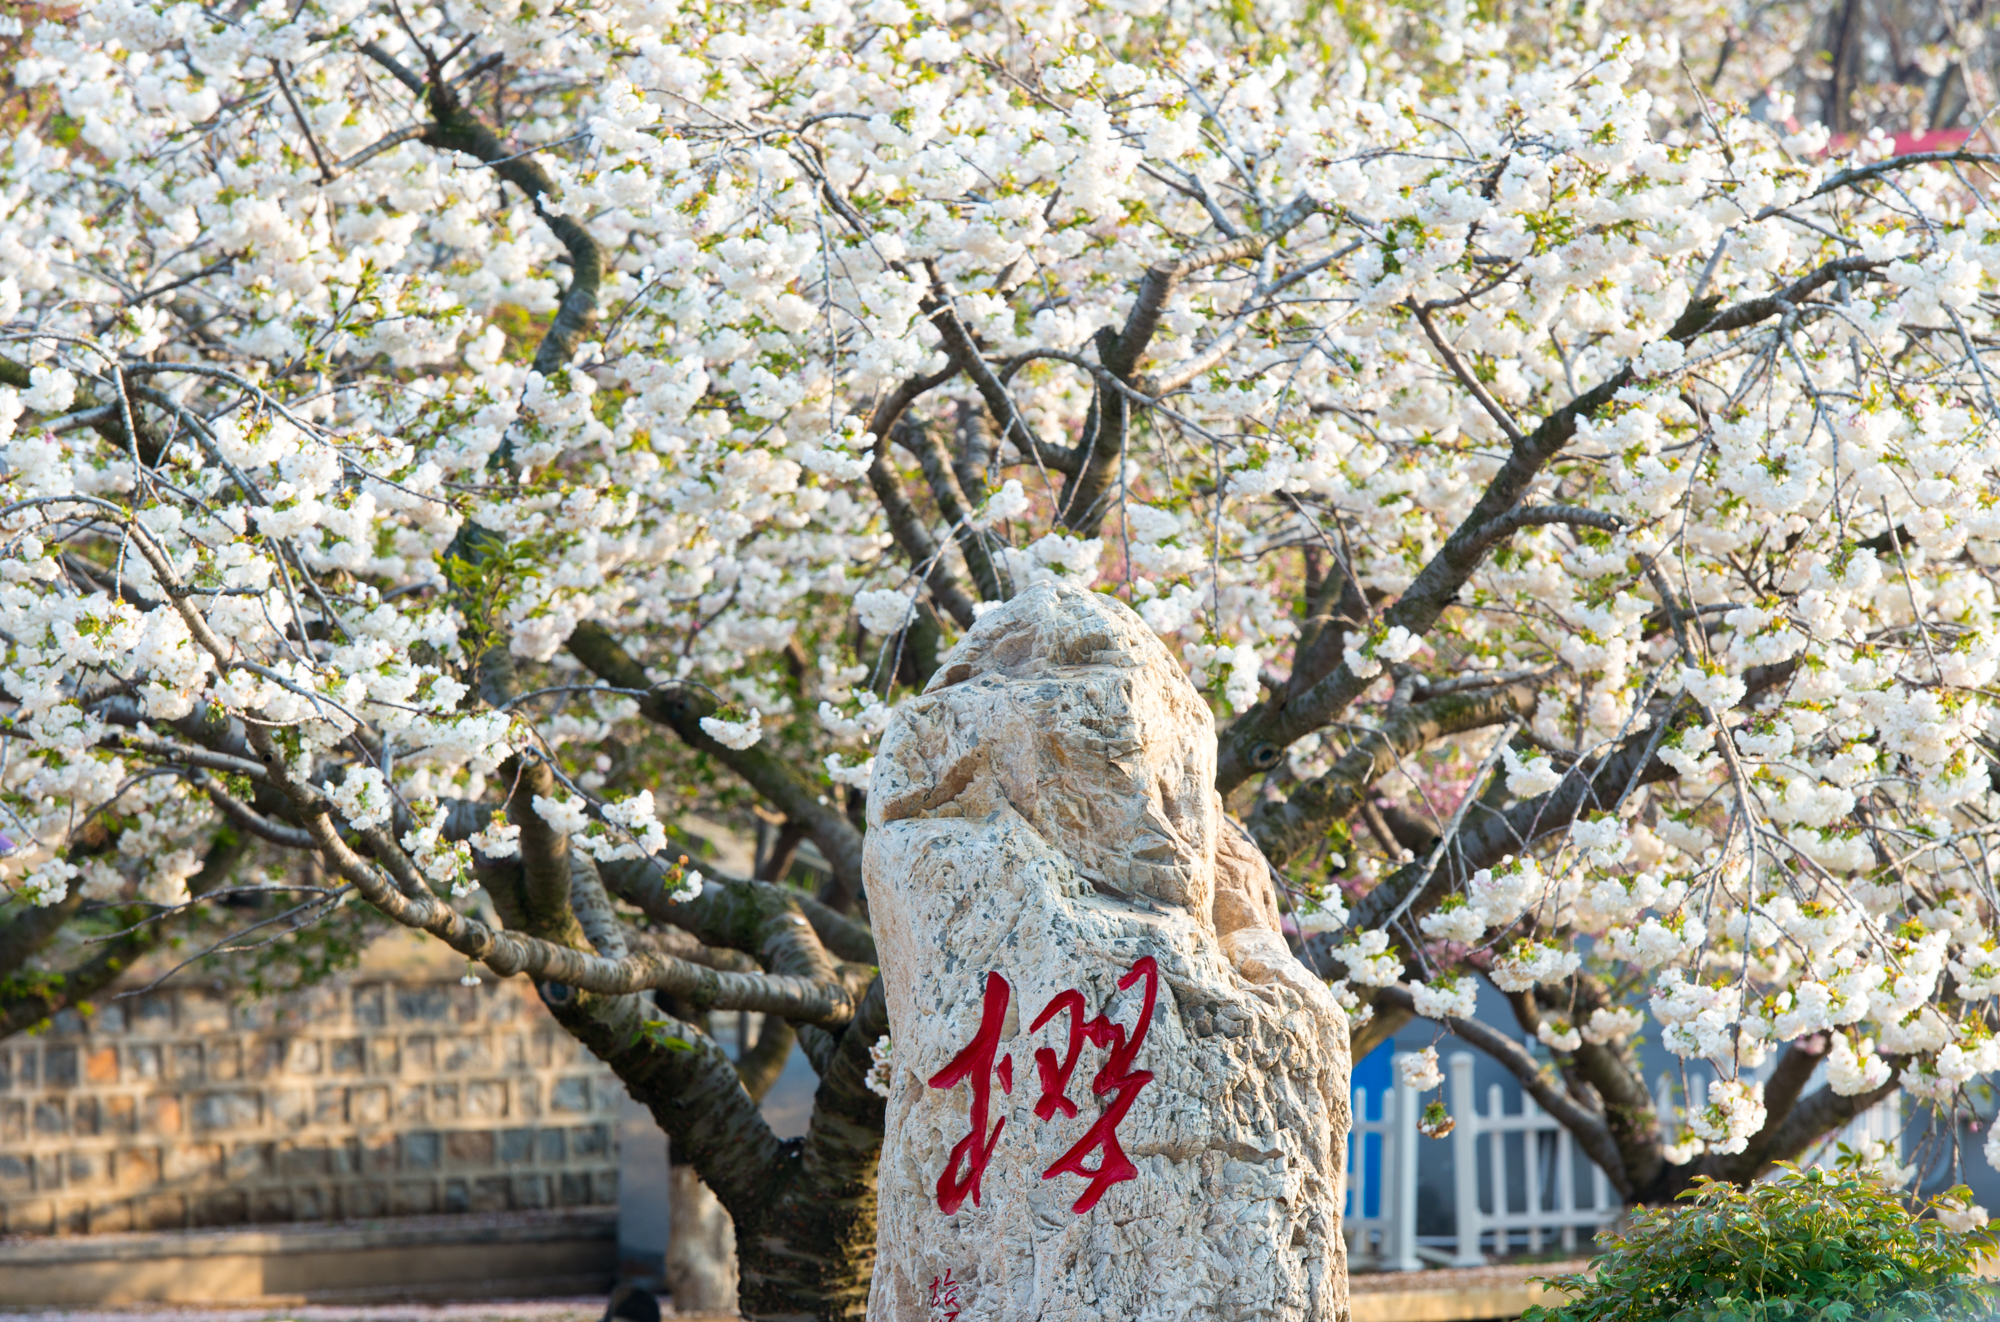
{"x": 192, "y": 1107}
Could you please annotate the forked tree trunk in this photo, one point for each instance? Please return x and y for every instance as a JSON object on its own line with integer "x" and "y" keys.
{"x": 803, "y": 1210}
{"x": 1115, "y": 1093}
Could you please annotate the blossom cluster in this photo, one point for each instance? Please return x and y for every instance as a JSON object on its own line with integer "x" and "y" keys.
{"x": 305, "y": 430}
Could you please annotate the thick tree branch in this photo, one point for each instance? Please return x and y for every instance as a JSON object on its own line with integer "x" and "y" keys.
{"x": 999, "y": 403}
{"x": 784, "y": 852}
{"x": 407, "y": 901}
{"x": 1583, "y": 789}
{"x": 1619, "y": 1082}
{"x": 1163, "y": 278}
{"x": 1086, "y": 498}
{"x": 1284, "y": 828}
{"x": 680, "y": 708}
{"x": 1535, "y": 516}
{"x": 907, "y": 527}
{"x": 759, "y": 918}
{"x": 905, "y": 524}
{"x": 245, "y": 818}
{"x": 1335, "y": 610}
{"x": 974, "y": 454}
{"x": 593, "y": 909}
{"x": 956, "y": 508}
{"x": 1587, "y": 1126}
{"x": 1278, "y": 724}
{"x": 396, "y": 68}
{"x": 1101, "y": 449}
{"x": 685, "y": 945}
{"x": 1417, "y": 610}
{"x": 1791, "y": 1132}
{"x": 31, "y": 999}
{"x": 837, "y": 1164}
{"x": 843, "y": 937}
{"x": 454, "y": 128}
{"x": 1751, "y": 311}
{"x": 759, "y": 1067}
{"x": 733, "y": 912}
{"x": 546, "y": 911}
{"x": 690, "y": 1085}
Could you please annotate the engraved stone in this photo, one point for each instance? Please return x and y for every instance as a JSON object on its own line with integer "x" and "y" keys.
{"x": 1045, "y": 855}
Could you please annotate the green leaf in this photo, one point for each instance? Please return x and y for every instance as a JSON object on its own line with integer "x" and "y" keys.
{"x": 1818, "y": 1246}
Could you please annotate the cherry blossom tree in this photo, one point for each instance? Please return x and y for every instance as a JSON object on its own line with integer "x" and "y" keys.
{"x": 454, "y": 444}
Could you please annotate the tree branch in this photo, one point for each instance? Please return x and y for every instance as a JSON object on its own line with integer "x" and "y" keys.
{"x": 685, "y": 945}
{"x": 1464, "y": 374}
{"x": 545, "y": 907}
{"x": 1535, "y": 516}
{"x": 680, "y": 708}
{"x": 1339, "y": 607}
{"x": 759, "y": 918}
{"x": 691, "y": 1086}
{"x": 759, "y": 1067}
{"x": 838, "y": 1159}
{"x": 244, "y": 817}
{"x": 106, "y": 420}
{"x": 1588, "y": 1127}
{"x": 1582, "y": 790}
{"x": 406, "y": 901}
{"x": 907, "y": 527}
{"x": 1807, "y": 1122}
{"x": 38, "y": 925}
{"x": 1101, "y": 450}
{"x": 298, "y": 113}
{"x": 454, "y": 128}
{"x": 395, "y": 67}
{"x": 1437, "y": 584}
{"x": 1417, "y": 610}
{"x": 1751, "y": 311}
{"x": 1163, "y": 278}
{"x": 1621, "y": 1087}
{"x": 1863, "y": 173}
{"x": 956, "y": 507}
{"x": 1013, "y": 427}
{"x": 1285, "y": 828}
{"x": 31, "y": 999}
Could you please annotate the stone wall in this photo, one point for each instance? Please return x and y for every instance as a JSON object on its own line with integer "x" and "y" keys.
{"x": 367, "y": 1097}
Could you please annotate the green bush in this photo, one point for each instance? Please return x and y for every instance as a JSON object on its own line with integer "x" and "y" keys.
{"x": 1808, "y": 1246}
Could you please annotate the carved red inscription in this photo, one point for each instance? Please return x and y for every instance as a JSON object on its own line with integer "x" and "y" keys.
{"x": 944, "y": 1298}
{"x": 1116, "y": 1077}
{"x": 975, "y": 1065}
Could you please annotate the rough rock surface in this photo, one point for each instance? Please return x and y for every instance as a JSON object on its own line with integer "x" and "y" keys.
{"x": 1044, "y": 812}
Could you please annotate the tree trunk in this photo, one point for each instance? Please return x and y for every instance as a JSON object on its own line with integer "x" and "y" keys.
{"x": 1114, "y": 1091}
{"x": 701, "y": 1246}
{"x": 803, "y": 1210}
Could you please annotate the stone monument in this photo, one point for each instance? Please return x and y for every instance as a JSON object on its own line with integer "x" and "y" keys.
{"x": 1114, "y": 1092}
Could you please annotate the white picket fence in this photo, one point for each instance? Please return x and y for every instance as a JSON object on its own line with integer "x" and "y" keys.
{"x": 1539, "y": 1206}
{"x": 1520, "y": 1181}
{"x": 1382, "y": 1160}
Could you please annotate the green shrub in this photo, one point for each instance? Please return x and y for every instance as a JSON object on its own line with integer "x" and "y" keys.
{"x": 1811, "y": 1246}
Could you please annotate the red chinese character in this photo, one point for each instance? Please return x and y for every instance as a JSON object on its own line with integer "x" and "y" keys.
{"x": 975, "y": 1063}
{"x": 1115, "y": 1076}
{"x": 944, "y": 1298}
